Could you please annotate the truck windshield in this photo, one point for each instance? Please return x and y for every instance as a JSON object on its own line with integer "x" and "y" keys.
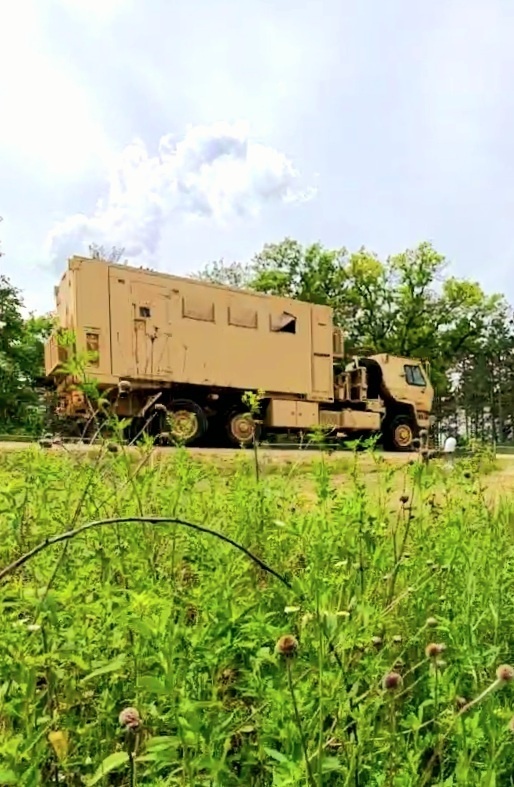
{"x": 414, "y": 375}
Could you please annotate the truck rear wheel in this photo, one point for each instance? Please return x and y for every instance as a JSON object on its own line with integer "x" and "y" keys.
{"x": 186, "y": 422}
{"x": 401, "y": 434}
{"x": 241, "y": 428}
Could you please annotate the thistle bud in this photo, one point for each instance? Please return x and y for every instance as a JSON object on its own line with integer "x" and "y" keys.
{"x": 434, "y": 649}
{"x": 505, "y": 673}
{"x": 287, "y": 645}
{"x": 392, "y": 681}
{"x": 130, "y": 719}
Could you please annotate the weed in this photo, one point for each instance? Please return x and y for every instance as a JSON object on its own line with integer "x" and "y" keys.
{"x": 145, "y": 597}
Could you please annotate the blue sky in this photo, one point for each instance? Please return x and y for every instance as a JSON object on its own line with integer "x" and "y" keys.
{"x": 188, "y": 132}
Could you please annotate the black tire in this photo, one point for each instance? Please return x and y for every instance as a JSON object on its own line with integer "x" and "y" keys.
{"x": 241, "y": 429}
{"x": 400, "y": 434}
{"x": 191, "y": 423}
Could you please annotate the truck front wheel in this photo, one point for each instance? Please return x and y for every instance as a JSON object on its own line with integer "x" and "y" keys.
{"x": 401, "y": 434}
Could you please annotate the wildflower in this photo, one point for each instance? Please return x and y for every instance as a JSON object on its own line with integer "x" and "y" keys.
{"x": 392, "y": 681}
{"x": 397, "y": 639}
{"x": 376, "y": 642}
{"x": 33, "y": 627}
{"x": 291, "y": 610}
{"x": 431, "y": 622}
{"x": 434, "y": 649}
{"x": 505, "y": 673}
{"x": 130, "y": 718}
{"x": 287, "y": 645}
{"x": 461, "y": 702}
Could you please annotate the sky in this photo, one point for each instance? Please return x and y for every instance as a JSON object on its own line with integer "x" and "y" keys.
{"x": 192, "y": 132}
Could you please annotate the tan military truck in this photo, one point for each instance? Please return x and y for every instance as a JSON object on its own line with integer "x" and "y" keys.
{"x": 170, "y": 350}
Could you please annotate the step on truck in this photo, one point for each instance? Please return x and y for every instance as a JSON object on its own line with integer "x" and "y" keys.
{"x": 176, "y": 356}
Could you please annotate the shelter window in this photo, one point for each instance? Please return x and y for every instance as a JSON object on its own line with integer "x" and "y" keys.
{"x": 242, "y": 318}
{"x": 414, "y": 376}
{"x": 283, "y": 323}
{"x": 144, "y": 311}
{"x": 93, "y": 348}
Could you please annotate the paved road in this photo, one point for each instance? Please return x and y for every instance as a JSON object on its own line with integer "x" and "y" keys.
{"x": 276, "y": 454}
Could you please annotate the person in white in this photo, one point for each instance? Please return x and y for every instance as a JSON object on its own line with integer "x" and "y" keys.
{"x": 450, "y": 445}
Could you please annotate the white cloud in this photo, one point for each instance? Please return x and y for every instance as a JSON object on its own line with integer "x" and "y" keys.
{"x": 101, "y": 10}
{"x": 215, "y": 172}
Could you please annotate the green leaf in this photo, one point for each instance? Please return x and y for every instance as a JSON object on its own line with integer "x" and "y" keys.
{"x": 111, "y": 763}
{"x": 152, "y": 684}
{"x": 8, "y": 777}
{"x": 113, "y": 666}
{"x": 276, "y": 755}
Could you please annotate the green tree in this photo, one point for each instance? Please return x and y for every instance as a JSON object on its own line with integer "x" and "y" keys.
{"x": 404, "y": 305}
{"x": 21, "y": 359}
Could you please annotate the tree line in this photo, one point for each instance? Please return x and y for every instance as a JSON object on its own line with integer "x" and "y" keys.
{"x": 407, "y": 304}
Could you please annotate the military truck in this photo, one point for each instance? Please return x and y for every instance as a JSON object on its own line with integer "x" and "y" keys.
{"x": 167, "y": 350}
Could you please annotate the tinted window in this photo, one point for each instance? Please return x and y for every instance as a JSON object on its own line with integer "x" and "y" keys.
{"x": 414, "y": 375}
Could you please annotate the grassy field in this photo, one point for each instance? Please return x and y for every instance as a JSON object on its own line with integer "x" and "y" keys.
{"x": 355, "y": 627}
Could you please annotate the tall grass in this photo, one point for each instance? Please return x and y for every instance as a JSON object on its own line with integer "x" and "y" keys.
{"x": 151, "y": 654}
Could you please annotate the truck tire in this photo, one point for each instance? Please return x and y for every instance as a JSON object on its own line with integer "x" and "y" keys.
{"x": 400, "y": 434}
{"x": 241, "y": 428}
{"x": 187, "y": 422}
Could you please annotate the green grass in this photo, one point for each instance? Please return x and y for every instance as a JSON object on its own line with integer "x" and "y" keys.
{"x": 184, "y": 627}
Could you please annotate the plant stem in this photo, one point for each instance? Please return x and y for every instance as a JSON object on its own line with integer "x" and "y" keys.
{"x": 310, "y": 776}
{"x": 69, "y": 534}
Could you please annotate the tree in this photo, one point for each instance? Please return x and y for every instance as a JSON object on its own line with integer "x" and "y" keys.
{"x": 403, "y": 305}
{"x": 21, "y": 359}
{"x": 98, "y": 252}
